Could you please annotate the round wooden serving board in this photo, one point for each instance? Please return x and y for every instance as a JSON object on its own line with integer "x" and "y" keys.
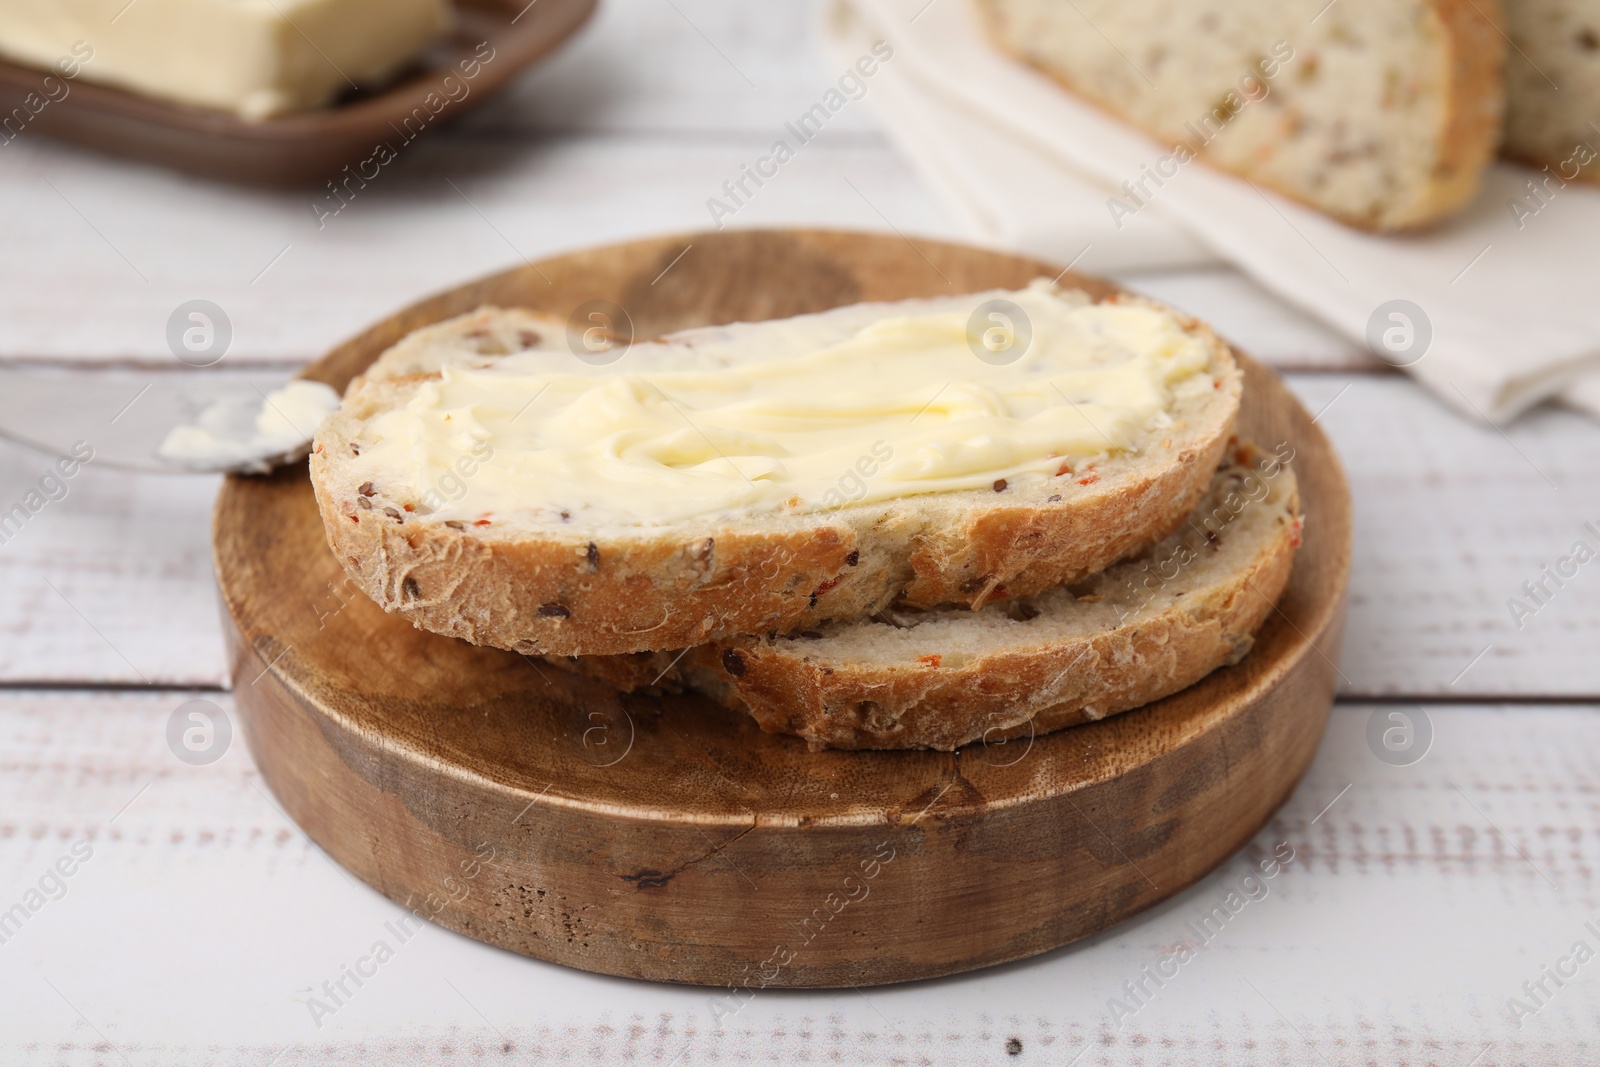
{"x": 671, "y": 839}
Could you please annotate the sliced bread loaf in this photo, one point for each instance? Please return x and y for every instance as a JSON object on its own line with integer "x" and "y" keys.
{"x": 450, "y": 528}
{"x": 1379, "y": 113}
{"x": 1142, "y": 629}
{"x": 1553, "y": 86}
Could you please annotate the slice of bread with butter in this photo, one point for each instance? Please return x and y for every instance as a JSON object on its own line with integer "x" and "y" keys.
{"x": 490, "y": 480}
{"x": 1138, "y": 631}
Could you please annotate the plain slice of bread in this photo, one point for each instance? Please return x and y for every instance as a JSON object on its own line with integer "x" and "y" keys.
{"x": 1553, "y": 87}
{"x": 1141, "y": 630}
{"x": 569, "y": 589}
{"x": 1381, "y": 113}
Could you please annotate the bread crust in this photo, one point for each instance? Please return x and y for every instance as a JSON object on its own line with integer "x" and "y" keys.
{"x": 1124, "y": 668}
{"x": 1468, "y": 135}
{"x": 1030, "y": 687}
{"x": 1475, "y": 119}
{"x": 674, "y": 587}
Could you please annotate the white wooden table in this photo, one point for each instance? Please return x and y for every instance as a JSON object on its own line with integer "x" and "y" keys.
{"x": 1421, "y": 898}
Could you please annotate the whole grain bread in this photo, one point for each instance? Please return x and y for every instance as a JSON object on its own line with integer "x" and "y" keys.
{"x": 1553, "y": 87}
{"x": 1139, "y": 631}
{"x": 1382, "y": 114}
{"x": 575, "y": 591}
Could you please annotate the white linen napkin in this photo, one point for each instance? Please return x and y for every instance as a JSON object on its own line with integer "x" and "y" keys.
{"x": 1508, "y": 314}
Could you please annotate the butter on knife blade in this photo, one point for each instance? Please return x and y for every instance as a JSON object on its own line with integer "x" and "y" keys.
{"x": 255, "y": 58}
{"x": 252, "y": 434}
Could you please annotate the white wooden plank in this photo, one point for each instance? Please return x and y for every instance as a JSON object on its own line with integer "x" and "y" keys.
{"x": 98, "y": 254}
{"x": 1451, "y": 519}
{"x": 110, "y": 582}
{"x": 1419, "y": 900}
{"x": 686, "y": 67}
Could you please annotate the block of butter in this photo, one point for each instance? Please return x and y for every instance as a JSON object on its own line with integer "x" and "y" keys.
{"x": 254, "y": 58}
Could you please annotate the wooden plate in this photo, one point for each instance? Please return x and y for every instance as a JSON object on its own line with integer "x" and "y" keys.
{"x": 671, "y": 839}
{"x": 305, "y": 148}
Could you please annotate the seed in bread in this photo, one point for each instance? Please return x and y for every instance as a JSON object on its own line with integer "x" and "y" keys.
{"x": 766, "y": 477}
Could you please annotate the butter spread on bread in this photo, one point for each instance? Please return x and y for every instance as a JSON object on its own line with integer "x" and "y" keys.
{"x": 793, "y": 414}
